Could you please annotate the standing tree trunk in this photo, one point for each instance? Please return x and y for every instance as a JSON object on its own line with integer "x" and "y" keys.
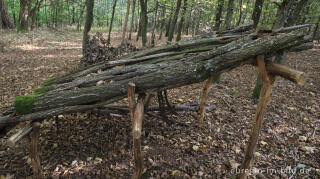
{"x": 240, "y": 13}
{"x": 169, "y": 22}
{"x": 219, "y": 14}
{"x": 174, "y": 21}
{"x": 5, "y": 20}
{"x": 87, "y": 26}
{"x": 229, "y": 15}
{"x": 24, "y": 15}
{"x": 34, "y": 11}
{"x": 185, "y": 4}
{"x": 126, "y": 22}
{"x": 196, "y": 31}
{"x": 155, "y": 22}
{"x": 295, "y": 15}
{"x": 245, "y": 12}
{"x": 132, "y": 17}
{"x": 283, "y": 13}
{"x": 80, "y": 17}
{"x": 111, "y": 21}
{"x": 257, "y": 13}
{"x": 144, "y": 21}
{"x": 163, "y": 21}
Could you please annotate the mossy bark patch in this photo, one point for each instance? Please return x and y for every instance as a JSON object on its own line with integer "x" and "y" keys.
{"x": 42, "y": 90}
{"x": 25, "y": 104}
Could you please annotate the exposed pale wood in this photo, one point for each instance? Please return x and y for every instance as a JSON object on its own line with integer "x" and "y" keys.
{"x": 286, "y": 72}
{"x": 131, "y": 99}
{"x": 268, "y": 81}
{"x": 204, "y": 96}
{"x": 32, "y": 141}
{"x": 136, "y": 133}
{"x": 13, "y": 140}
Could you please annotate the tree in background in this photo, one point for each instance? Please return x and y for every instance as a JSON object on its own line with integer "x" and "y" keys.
{"x": 185, "y": 4}
{"x": 155, "y": 22}
{"x": 5, "y": 20}
{"x": 88, "y": 24}
{"x": 34, "y": 11}
{"x": 144, "y": 21}
{"x": 25, "y": 6}
{"x": 132, "y": 17}
{"x": 174, "y": 21}
{"x": 229, "y": 15}
{"x": 257, "y": 13}
{"x": 111, "y": 20}
{"x": 126, "y": 22}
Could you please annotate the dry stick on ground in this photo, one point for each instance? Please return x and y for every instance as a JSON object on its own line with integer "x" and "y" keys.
{"x": 136, "y": 133}
{"x": 204, "y": 96}
{"x": 13, "y": 140}
{"x": 32, "y": 141}
{"x": 268, "y": 81}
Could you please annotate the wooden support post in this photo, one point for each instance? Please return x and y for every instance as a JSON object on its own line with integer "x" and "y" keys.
{"x": 268, "y": 81}
{"x": 204, "y": 96}
{"x": 32, "y": 141}
{"x": 131, "y": 99}
{"x": 136, "y": 115}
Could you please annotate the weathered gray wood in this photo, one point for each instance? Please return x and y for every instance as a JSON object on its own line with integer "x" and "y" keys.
{"x": 13, "y": 140}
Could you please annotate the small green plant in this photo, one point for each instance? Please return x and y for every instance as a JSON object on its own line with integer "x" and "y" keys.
{"x": 216, "y": 79}
{"x": 236, "y": 92}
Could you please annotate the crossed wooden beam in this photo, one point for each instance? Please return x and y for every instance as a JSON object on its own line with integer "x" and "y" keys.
{"x": 137, "y": 107}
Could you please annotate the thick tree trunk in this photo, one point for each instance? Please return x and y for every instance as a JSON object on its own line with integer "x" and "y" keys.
{"x": 111, "y": 20}
{"x": 229, "y": 15}
{"x": 174, "y": 21}
{"x": 185, "y": 4}
{"x": 25, "y": 6}
{"x": 126, "y": 21}
{"x": 257, "y": 12}
{"x": 144, "y": 21}
{"x": 132, "y": 18}
{"x": 5, "y": 20}
{"x": 218, "y": 15}
{"x": 87, "y": 26}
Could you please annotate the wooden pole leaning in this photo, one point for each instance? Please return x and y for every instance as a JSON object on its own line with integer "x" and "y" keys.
{"x": 204, "y": 95}
{"x": 268, "y": 81}
{"x": 136, "y": 115}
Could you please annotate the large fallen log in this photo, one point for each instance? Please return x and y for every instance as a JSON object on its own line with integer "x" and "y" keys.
{"x": 150, "y": 70}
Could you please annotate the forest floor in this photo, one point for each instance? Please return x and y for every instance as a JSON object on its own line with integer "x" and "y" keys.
{"x": 87, "y": 146}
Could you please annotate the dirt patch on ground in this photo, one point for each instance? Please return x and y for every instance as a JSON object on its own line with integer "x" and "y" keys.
{"x": 83, "y": 145}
